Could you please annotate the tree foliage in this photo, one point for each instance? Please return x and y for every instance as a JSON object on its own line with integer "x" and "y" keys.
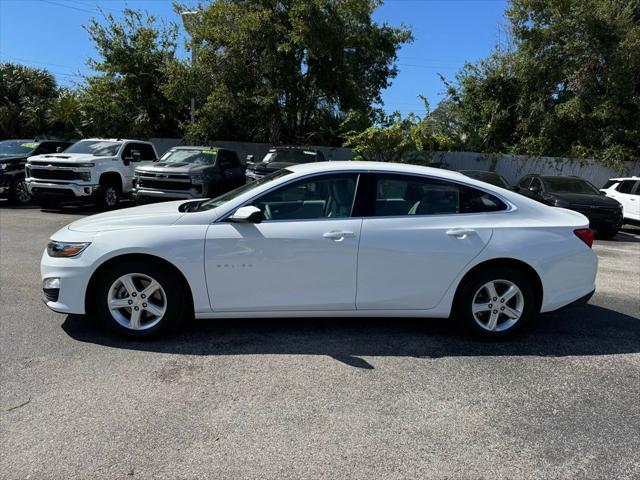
{"x": 126, "y": 98}
{"x": 285, "y": 70}
{"x": 397, "y": 139}
{"x": 570, "y": 86}
{"x": 26, "y": 94}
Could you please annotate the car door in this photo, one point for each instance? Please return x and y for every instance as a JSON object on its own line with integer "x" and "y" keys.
{"x": 147, "y": 155}
{"x": 302, "y": 257}
{"x": 229, "y": 169}
{"x": 627, "y": 194}
{"x": 417, "y": 235}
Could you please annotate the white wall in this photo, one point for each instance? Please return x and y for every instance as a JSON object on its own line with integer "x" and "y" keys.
{"x": 513, "y": 167}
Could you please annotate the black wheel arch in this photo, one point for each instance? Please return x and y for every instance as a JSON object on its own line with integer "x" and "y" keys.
{"x": 111, "y": 178}
{"x": 88, "y": 298}
{"x": 512, "y": 263}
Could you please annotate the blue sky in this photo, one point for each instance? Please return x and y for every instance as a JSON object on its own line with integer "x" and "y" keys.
{"x": 49, "y": 34}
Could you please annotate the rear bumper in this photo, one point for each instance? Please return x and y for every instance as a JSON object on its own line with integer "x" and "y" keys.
{"x": 580, "y": 301}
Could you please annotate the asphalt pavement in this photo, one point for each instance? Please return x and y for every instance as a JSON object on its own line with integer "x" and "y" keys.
{"x": 316, "y": 398}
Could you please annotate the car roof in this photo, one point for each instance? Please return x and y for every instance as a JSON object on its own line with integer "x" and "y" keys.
{"x": 619, "y": 179}
{"x": 115, "y": 140}
{"x": 358, "y": 166}
{"x": 564, "y": 177}
{"x": 479, "y": 171}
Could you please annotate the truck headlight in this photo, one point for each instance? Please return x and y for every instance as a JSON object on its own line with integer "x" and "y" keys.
{"x": 66, "y": 249}
{"x": 197, "y": 178}
{"x": 3, "y": 166}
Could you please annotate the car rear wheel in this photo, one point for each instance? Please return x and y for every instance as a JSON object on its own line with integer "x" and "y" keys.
{"x": 496, "y": 303}
{"x": 138, "y": 299}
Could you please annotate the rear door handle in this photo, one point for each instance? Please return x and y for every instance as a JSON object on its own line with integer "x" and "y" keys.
{"x": 460, "y": 233}
{"x": 338, "y": 236}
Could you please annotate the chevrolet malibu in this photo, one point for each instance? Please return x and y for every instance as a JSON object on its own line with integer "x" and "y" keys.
{"x": 327, "y": 239}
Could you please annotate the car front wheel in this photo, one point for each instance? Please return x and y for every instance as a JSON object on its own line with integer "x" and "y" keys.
{"x": 20, "y": 193}
{"x": 138, "y": 299}
{"x": 496, "y": 303}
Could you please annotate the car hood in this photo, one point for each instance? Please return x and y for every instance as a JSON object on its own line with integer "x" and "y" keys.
{"x": 67, "y": 158}
{"x": 155, "y": 214}
{"x": 586, "y": 199}
{"x": 11, "y": 158}
{"x": 269, "y": 167}
{"x": 164, "y": 167}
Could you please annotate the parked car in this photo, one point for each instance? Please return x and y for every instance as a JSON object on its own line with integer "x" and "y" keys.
{"x": 326, "y": 239}
{"x": 93, "y": 170}
{"x": 574, "y": 193}
{"x": 490, "y": 177}
{"x": 625, "y": 190}
{"x": 281, "y": 157}
{"x": 189, "y": 172}
{"x": 13, "y": 158}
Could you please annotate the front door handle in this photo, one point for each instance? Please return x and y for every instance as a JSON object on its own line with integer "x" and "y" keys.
{"x": 460, "y": 233}
{"x": 338, "y": 236}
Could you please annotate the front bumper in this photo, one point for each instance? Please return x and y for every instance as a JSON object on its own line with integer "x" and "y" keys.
{"x": 140, "y": 193}
{"x": 69, "y": 190}
{"x": 74, "y": 274}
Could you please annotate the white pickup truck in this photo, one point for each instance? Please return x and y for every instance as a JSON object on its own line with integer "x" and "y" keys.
{"x": 93, "y": 170}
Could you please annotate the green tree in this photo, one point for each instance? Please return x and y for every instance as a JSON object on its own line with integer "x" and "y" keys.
{"x": 26, "y": 95}
{"x": 397, "y": 139}
{"x": 285, "y": 70}
{"x": 571, "y": 86}
{"x": 126, "y": 98}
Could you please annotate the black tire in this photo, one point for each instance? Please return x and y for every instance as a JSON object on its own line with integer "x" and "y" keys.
{"x": 108, "y": 195}
{"x": 173, "y": 293}
{"x": 473, "y": 285}
{"x": 48, "y": 203}
{"x": 607, "y": 233}
{"x": 19, "y": 194}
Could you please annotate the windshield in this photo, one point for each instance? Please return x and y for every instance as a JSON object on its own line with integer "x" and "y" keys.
{"x": 569, "y": 185}
{"x": 222, "y": 199}
{"x": 191, "y": 156}
{"x": 17, "y": 147}
{"x": 98, "y": 148}
{"x": 489, "y": 177}
{"x": 291, "y": 156}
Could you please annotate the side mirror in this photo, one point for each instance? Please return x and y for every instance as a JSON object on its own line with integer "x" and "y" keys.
{"x": 248, "y": 214}
{"x": 136, "y": 155}
{"x": 58, "y": 149}
{"x": 249, "y": 158}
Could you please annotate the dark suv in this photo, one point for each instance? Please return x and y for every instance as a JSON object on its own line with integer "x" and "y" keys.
{"x": 188, "y": 172}
{"x": 13, "y": 158}
{"x": 574, "y": 193}
{"x": 282, "y": 157}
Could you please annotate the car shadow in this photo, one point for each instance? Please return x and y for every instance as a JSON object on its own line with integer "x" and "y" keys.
{"x": 585, "y": 330}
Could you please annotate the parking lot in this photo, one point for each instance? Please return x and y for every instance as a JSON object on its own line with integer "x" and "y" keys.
{"x": 323, "y": 398}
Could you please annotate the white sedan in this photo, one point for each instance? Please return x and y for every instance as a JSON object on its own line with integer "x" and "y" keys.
{"x": 327, "y": 239}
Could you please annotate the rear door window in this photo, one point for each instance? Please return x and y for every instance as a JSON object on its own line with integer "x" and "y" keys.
{"x": 400, "y": 195}
{"x": 626, "y": 186}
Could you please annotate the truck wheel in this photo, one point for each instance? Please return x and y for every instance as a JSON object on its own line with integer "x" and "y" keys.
{"x": 19, "y": 193}
{"x": 108, "y": 196}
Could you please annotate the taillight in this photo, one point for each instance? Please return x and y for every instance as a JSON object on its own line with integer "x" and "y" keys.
{"x": 586, "y": 235}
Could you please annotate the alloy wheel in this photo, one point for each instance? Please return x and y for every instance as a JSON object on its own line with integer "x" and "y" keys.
{"x": 22, "y": 192}
{"x": 137, "y": 301}
{"x": 110, "y": 197}
{"x": 498, "y": 305}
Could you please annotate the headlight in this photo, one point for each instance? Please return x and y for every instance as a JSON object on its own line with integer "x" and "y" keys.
{"x": 66, "y": 249}
{"x": 3, "y": 166}
{"x": 86, "y": 165}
